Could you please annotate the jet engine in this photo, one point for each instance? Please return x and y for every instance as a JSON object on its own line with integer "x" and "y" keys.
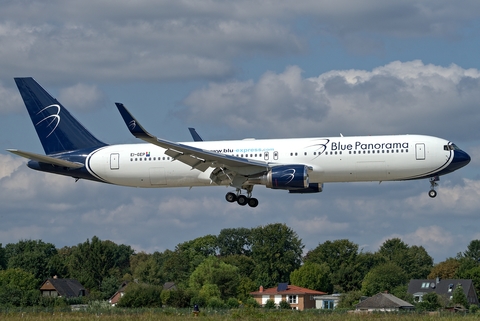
{"x": 287, "y": 177}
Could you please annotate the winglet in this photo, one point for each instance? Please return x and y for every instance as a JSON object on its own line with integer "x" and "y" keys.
{"x": 133, "y": 125}
{"x": 196, "y": 137}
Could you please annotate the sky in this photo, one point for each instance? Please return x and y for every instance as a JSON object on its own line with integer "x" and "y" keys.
{"x": 241, "y": 69}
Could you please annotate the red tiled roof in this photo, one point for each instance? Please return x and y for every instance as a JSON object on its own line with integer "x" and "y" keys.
{"x": 291, "y": 289}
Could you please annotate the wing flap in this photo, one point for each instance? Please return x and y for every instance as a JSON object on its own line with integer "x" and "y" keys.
{"x": 46, "y": 159}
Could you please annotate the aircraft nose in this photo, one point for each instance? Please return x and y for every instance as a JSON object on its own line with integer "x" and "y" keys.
{"x": 460, "y": 159}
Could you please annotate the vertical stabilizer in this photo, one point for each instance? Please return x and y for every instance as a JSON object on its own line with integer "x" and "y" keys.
{"x": 57, "y": 129}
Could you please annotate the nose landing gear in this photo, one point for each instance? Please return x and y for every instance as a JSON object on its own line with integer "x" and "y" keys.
{"x": 433, "y": 183}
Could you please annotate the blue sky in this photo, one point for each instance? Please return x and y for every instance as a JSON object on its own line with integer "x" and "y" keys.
{"x": 236, "y": 69}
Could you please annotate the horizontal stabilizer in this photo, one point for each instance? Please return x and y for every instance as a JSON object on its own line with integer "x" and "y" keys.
{"x": 46, "y": 159}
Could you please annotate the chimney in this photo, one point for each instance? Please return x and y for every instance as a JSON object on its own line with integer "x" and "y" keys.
{"x": 261, "y": 288}
{"x": 438, "y": 280}
{"x": 54, "y": 276}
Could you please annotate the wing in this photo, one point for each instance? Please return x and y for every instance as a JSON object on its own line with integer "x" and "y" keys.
{"x": 46, "y": 159}
{"x": 236, "y": 170}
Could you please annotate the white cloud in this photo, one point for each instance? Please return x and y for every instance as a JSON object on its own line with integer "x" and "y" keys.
{"x": 10, "y": 100}
{"x": 201, "y": 39}
{"x": 400, "y": 97}
{"x": 82, "y": 96}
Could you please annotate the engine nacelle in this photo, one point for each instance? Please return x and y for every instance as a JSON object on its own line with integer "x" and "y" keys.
{"x": 312, "y": 188}
{"x": 289, "y": 177}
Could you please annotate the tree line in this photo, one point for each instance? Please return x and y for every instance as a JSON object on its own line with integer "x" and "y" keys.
{"x": 221, "y": 270}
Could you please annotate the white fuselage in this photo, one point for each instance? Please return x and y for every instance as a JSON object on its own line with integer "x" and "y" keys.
{"x": 332, "y": 159}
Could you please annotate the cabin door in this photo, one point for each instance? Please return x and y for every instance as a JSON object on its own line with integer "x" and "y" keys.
{"x": 420, "y": 151}
{"x": 114, "y": 161}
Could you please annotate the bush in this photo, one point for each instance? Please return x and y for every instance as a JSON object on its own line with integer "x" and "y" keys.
{"x": 473, "y": 309}
{"x": 270, "y": 304}
{"x": 215, "y": 303}
{"x": 430, "y": 302}
{"x": 285, "y": 305}
{"x": 251, "y": 303}
{"x": 140, "y": 296}
{"x": 232, "y": 303}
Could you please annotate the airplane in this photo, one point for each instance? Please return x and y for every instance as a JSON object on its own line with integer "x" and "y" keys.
{"x": 296, "y": 165}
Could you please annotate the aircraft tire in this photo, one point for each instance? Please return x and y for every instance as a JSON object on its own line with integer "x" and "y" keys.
{"x": 253, "y": 202}
{"x": 242, "y": 200}
{"x": 432, "y": 193}
{"x": 231, "y": 197}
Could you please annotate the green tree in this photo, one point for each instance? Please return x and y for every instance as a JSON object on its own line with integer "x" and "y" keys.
{"x": 473, "y": 251}
{"x": 474, "y": 275}
{"x": 18, "y": 288}
{"x": 176, "y": 266}
{"x": 459, "y": 297}
{"x": 245, "y": 264}
{"x": 245, "y": 286}
{"x": 348, "y": 300}
{"x": 214, "y": 271}
{"x": 364, "y": 262}
{"x": 235, "y": 241}
{"x": 148, "y": 271}
{"x": 277, "y": 251}
{"x": 92, "y": 261}
{"x": 312, "y": 276}
{"x": 179, "y": 264}
{"x": 3, "y": 261}
{"x": 341, "y": 258}
{"x": 414, "y": 260}
{"x": 382, "y": 278}
{"x": 32, "y": 256}
{"x": 421, "y": 263}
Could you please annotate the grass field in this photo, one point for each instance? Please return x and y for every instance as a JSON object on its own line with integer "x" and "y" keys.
{"x": 241, "y": 314}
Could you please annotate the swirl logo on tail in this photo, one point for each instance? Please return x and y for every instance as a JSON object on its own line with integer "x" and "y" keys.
{"x": 52, "y": 118}
{"x": 132, "y": 124}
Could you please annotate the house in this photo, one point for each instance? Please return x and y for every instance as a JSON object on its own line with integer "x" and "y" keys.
{"x": 298, "y": 297}
{"x": 383, "y": 302}
{"x": 327, "y": 301}
{"x": 444, "y": 288}
{"x": 118, "y": 295}
{"x": 66, "y": 288}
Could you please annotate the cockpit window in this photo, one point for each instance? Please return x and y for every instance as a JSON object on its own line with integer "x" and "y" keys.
{"x": 451, "y": 146}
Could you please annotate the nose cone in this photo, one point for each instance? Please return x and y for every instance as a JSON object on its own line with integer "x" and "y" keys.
{"x": 460, "y": 159}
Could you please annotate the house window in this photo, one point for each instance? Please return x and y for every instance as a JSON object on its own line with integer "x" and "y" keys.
{"x": 328, "y": 304}
{"x": 292, "y": 299}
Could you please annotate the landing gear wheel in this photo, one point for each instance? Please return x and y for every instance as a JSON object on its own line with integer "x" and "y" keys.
{"x": 432, "y": 193}
{"x": 242, "y": 200}
{"x": 253, "y": 202}
{"x": 231, "y": 197}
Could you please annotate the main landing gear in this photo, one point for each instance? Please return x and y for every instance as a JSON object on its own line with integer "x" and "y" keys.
{"x": 242, "y": 200}
{"x": 433, "y": 183}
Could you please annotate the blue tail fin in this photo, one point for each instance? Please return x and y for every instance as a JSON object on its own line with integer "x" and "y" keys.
{"x": 57, "y": 129}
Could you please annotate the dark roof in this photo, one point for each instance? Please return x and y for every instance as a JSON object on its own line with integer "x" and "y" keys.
{"x": 169, "y": 286}
{"x": 384, "y": 301}
{"x": 441, "y": 286}
{"x": 67, "y": 288}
